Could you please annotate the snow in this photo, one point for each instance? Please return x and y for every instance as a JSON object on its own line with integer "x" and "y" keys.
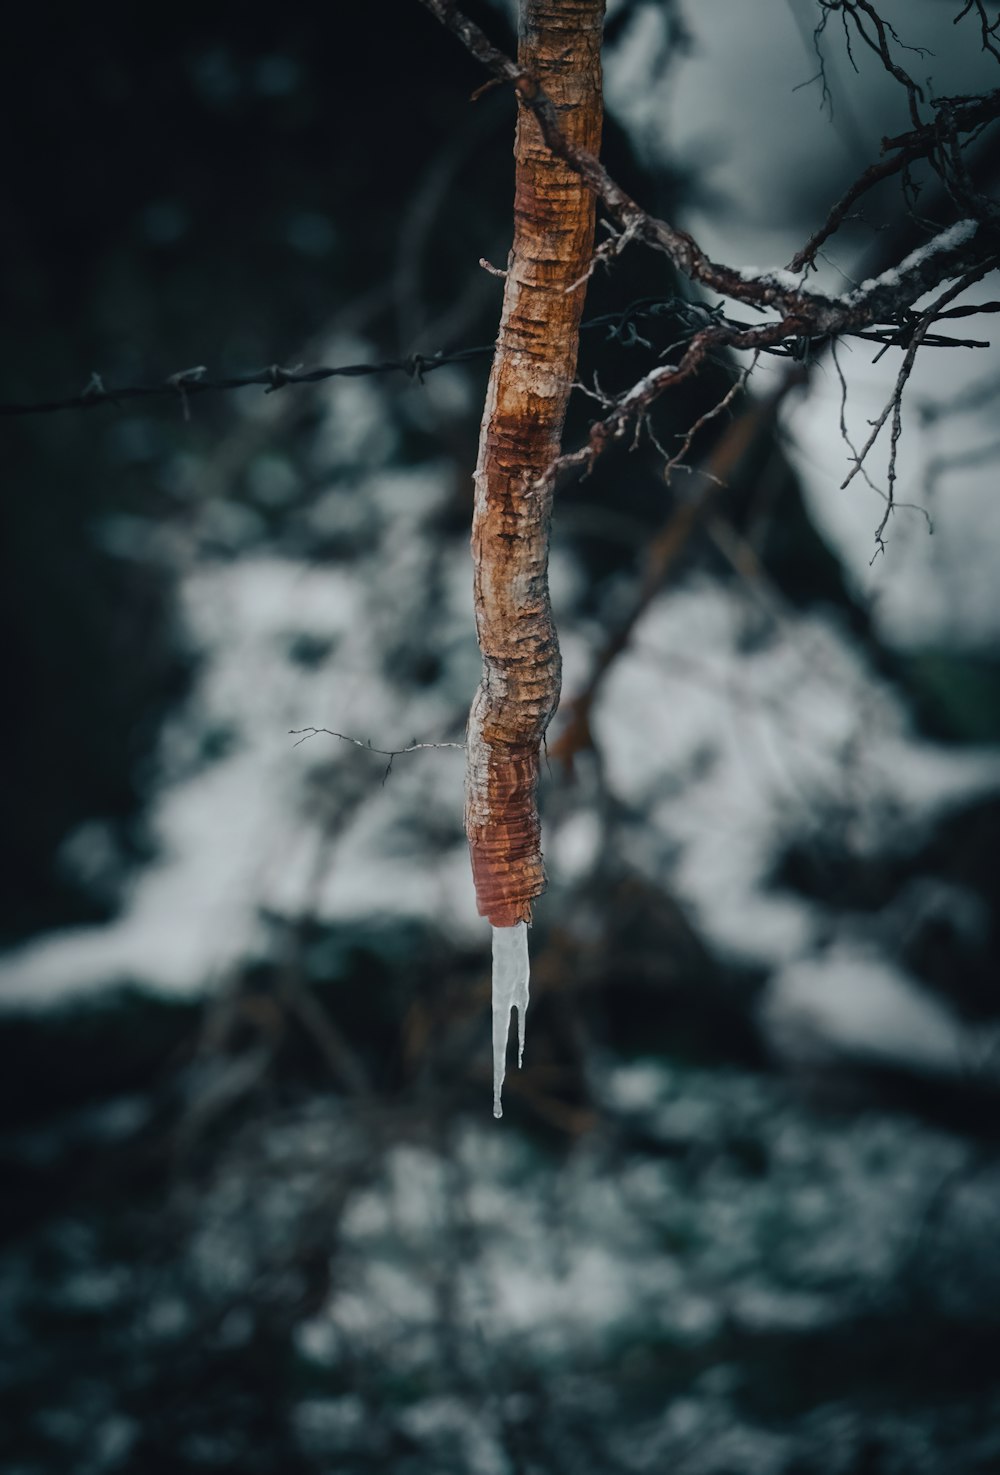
{"x": 855, "y": 1004}
{"x": 755, "y": 177}
{"x": 623, "y": 1242}
{"x": 946, "y": 240}
{"x": 788, "y": 281}
{"x": 730, "y": 753}
{"x": 762, "y": 191}
{"x": 925, "y": 590}
{"x": 242, "y": 835}
{"x": 510, "y": 990}
{"x": 534, "y": 1270}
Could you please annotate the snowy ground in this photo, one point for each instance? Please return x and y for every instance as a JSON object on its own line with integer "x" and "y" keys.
{"x": 717, "y": 1280}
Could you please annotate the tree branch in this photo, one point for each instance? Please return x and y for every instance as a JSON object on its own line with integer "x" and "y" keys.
{"x": 533, "y": 373}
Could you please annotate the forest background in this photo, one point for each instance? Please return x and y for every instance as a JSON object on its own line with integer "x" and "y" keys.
{"x": 741, "y": 1210}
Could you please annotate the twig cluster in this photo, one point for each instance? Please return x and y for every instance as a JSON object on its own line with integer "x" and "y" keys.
{"x": 799, "y": 318}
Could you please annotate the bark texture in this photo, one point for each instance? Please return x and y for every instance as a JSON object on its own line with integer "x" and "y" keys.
{"x": 533, "y": 368}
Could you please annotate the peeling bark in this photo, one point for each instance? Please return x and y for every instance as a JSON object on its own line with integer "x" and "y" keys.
{"x": 533, "y": 369}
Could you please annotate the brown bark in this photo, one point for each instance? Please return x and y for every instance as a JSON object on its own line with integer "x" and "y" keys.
{"x": 533, "y": 369}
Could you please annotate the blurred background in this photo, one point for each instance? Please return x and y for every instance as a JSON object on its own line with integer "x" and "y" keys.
{"x": 740, "y": 1217}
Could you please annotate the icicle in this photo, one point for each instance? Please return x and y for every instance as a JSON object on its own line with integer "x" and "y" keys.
{"x": 510, "y": 988}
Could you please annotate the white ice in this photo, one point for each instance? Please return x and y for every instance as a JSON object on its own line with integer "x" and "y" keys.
{"x": 510, "y": 988}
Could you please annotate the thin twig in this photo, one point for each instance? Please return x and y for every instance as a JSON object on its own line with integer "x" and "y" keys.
{"x": 304, "y": 733}
{"x": 894, "y": 405}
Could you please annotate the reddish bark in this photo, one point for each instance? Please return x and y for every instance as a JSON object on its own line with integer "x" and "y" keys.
{"x": 533, "y": 369}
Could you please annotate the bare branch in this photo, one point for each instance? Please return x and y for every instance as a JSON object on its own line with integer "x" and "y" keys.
{"x": 807, "y": 313}
{"x": 719, "y": 468}
{"x": 894, "y": 405}
{"x": 304, "y": 733}
{"x": 955, "y": 115}
{"x": 863, "y": 14}
{"x": 734, "y": 390}
{"x": 530, "y": 382}
{"x": 987, "y": 31}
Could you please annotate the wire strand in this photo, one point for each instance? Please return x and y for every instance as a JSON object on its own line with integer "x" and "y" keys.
{"x": 621, "y": 326}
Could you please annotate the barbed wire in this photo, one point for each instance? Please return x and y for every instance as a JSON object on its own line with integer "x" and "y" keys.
{"x": 188, "y": 382}
{"x": 195, "y": 381}
{"x": 621, "y": 326}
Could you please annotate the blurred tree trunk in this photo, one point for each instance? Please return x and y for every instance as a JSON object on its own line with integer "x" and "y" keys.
{"x": 533, "y": 369}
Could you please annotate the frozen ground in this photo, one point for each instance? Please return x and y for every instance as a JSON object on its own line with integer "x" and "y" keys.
{"x": 716, "y": 1281}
